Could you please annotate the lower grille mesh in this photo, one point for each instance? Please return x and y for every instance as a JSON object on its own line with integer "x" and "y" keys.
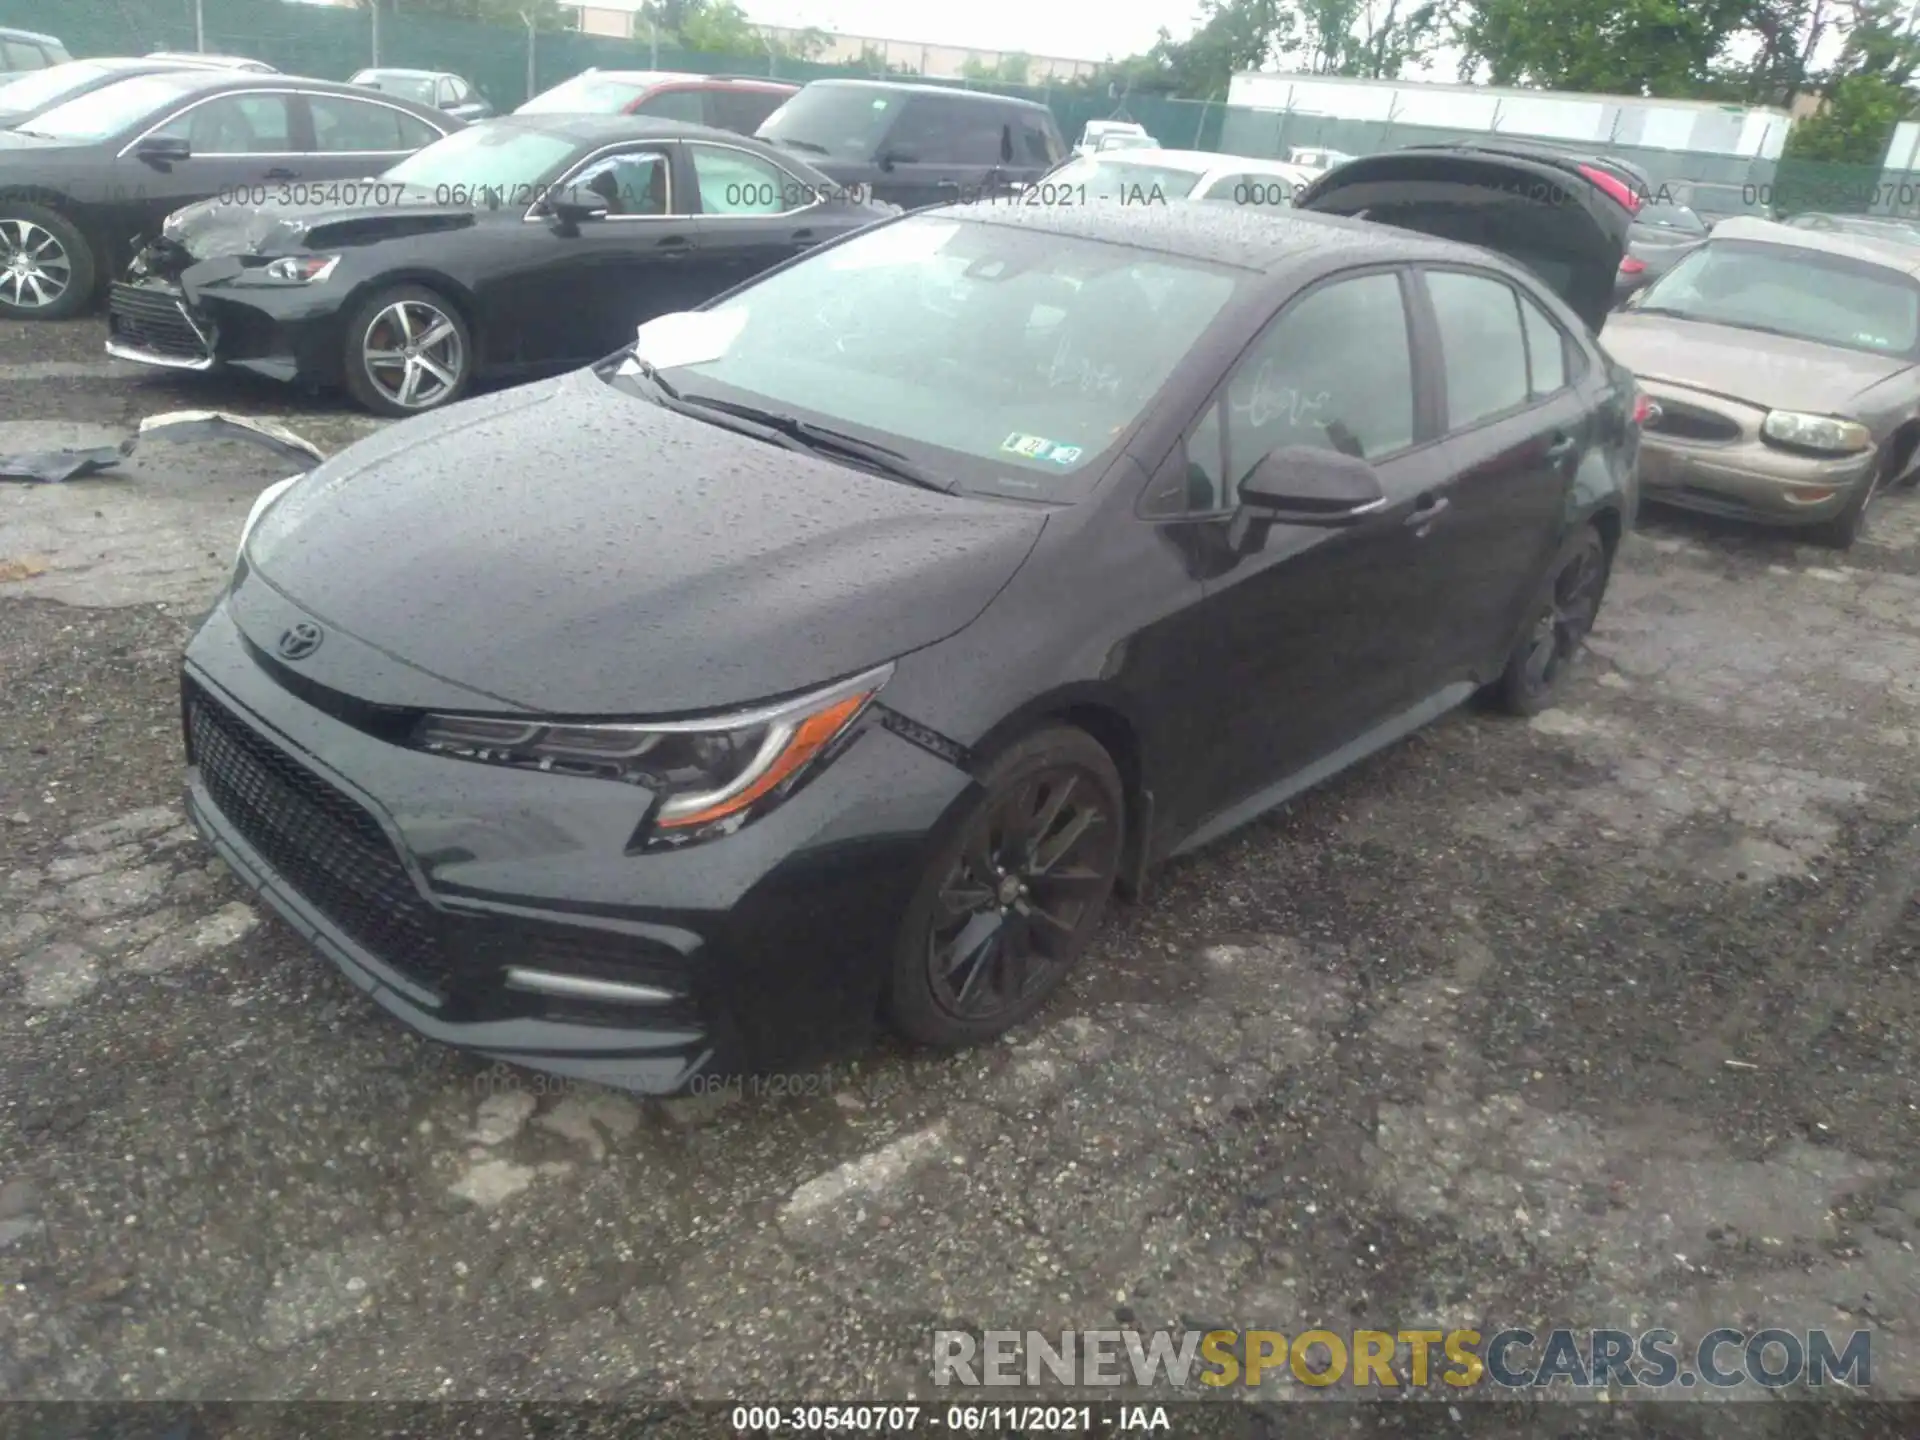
{"x": 151, "y": 320}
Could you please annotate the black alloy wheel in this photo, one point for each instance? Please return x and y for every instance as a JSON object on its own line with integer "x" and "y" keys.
{"x": 1009, "y": 903}
{"x": 1538, "y": 668}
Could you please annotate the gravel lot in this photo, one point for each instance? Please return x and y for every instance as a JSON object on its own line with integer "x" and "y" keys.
{"x": 1606, "y": 1019}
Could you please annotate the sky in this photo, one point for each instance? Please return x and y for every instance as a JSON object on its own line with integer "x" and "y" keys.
{"x": 1082, "y": 32}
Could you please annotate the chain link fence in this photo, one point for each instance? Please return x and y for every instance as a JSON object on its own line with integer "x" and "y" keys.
{"x": 509, "y": 64}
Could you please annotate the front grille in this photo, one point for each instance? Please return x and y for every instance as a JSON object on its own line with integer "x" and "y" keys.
{"x": 324, "y": 844}
{"x": 1689, "y": 422}
{"x": 151, "y": 319}
{"x": 332, "y": 851}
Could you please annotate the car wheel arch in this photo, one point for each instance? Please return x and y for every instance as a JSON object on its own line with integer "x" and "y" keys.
{"x": 1901, "y": 447}
{"x": 1106, "y": 718}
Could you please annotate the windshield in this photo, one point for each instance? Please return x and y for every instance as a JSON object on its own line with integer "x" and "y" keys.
{"x": 586, "y": 95}
{"x": 1803, "y": 293}
{"x": 842, "y": 120}
{"x": 43, "y": 87}
{"x": 1007, "y": 359}
{"x": 1671, "y": 217}
{"x": 407, "y": 87}
{"x": 1110, "y": 179}
{"x": 108, "y": 110}
{"x": 486, "y": 156}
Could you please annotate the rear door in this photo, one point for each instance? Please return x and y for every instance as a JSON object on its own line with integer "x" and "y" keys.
{"x": 1567, "y": 225}
{"x": 753, "y": 215}
{"x": 1518, "y": 429}
{"x": 941, "y": 151}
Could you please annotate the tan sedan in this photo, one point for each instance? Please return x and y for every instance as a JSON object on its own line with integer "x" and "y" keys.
{"x": 1781, "y": 366}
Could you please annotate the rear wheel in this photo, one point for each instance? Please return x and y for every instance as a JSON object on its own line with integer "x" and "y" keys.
{"x": 1010, "y": 902}
{"x": 1538, "y": 667}
{"x": 47, "y": 268}
{"x": 407, "y": 351}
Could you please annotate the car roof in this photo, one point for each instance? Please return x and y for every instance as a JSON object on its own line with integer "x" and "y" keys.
{"x": 1850, "y": 245}
{"x": 1247, "y": 237}
{"x": 403, "y": 71}
{"x": 608, "y": 129}
{"x": 1200, "y": 162}
{"x": 39, "y": 35}
{"x": 902, "y": 87}
{"x": 211, "y": 82}
{"x": 680, "y": 77}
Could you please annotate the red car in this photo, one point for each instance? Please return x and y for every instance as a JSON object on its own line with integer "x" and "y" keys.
{"x": 726, "y": 102}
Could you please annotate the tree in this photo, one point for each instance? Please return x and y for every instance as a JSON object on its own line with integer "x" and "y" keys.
{"x": 874, "y": 61}
{"x": 1614, "y": 47}
{"x": 1007, "y": 70}
{"x": 1866, "y": 93}
{"x": 546, "y": 14}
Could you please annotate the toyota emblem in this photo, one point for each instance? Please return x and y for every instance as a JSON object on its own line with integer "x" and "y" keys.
{"x": 301, "y": 640}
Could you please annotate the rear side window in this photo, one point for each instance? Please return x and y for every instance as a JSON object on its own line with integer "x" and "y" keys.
{"x": 342, "y": 126}
{"x": 733, "y": 182}
{"x": 1546, "y": 349}
{"x": 741, "y": 110}
{"x": 939, "y": 132}
{"x": 1037, "y": 145}
{"x": 1482, "y": 347}
{"x": 20, "y": 55}
{"x": 1265, "y": 190}
{"x": 684, "y": 105}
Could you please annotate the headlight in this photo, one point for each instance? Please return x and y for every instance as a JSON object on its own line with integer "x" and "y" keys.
{"x": 294, "y": 270}
{"x": 712, "y": 775}
{"x": 260, "y": 507}
{"x": 1817, "y": 432}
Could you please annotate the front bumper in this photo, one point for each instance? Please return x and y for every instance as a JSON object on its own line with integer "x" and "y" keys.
{"x": 439, "y": 886}
{"x": 1706, "y": 453}
{"x": 287, "y": 334}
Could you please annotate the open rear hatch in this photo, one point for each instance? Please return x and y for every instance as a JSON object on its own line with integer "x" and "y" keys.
{"x": 1564, "y": 220}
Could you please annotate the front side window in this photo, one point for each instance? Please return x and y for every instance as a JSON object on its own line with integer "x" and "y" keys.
{"x": 235, "y": 125}
{"x": 633, "y": 183}
{"x": 1334, "y": 372}
{"x": 1787, "y": 290}
{"x": 1482, "y": 348}
{"x": 1010, "y": 359}
{"x": 937, "y": 132}
{"x": 732, "y": 182}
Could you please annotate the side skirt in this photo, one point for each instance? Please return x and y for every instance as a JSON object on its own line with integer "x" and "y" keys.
{"x": 1378, "y": 738}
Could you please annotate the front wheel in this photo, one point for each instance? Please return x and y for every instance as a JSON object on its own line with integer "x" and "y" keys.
{"x": 1842, "y": 530}
{"x": 46, "y": 266}
{"x": 407, "y": 351}
{"x": 1010, "y": 901}
{"x": 1540, "y": 662}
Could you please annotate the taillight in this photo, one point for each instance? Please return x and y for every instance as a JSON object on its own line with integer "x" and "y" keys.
{"x": 1642, "y": 409}
{"x": 1613, "y": 186}
{"x": 1631, "y": 266}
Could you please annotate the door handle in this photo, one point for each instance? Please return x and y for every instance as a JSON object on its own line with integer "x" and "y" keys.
{"x": 1426, "y": 511}
{"x": 946, "y": 185}
{"x": 805, "y": 239}
{"x": 674, "y": 247}
{"x": 280, "y": 172}
{"x": 1562, "y": 448}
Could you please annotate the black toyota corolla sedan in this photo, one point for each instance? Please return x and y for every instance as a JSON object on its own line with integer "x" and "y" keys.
{"x": 836, "y": 651}
{"x": 84, "y": 183}
{"x": 513, "y": 247}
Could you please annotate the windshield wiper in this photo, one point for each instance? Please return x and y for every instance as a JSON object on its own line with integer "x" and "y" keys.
{"x": 822, "y": 439}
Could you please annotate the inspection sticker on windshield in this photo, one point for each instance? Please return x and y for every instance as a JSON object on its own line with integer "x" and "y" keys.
{"x": 1035, "y": 447}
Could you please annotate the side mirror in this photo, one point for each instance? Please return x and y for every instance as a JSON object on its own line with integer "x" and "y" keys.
{"x": 891, "y": 158}
{"x": 577, "y": 204}
{"x": 163, "y": 149}
{"x": 1305, "y": 485}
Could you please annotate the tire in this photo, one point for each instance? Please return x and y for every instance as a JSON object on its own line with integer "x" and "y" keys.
{"x": 967, "y": 967}
{"x": 39, "y": 250}
{"x": 1557, "y": 626}
{"x": 403, "y": 385}
{"x": 1842, "y": 530}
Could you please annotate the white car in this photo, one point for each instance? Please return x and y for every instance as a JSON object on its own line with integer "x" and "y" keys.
{"x": 1152, "y": 176}
{"x": 1316, "y": 159}
{"x": 1101, "y": 130}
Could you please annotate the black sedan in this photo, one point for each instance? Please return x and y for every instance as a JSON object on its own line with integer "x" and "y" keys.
{"x": 839, "y": 649}
{"x": 84, "y": 183}
{"x": 519, "y": 246}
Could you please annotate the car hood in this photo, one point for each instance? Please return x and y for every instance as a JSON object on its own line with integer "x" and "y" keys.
{"x": 569, "y": 549}
{"x": 1760, "y": 369}
{"x": 214, "y": 228}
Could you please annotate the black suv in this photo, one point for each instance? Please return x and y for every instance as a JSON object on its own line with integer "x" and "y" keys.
{"x": 917, "y": 144}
